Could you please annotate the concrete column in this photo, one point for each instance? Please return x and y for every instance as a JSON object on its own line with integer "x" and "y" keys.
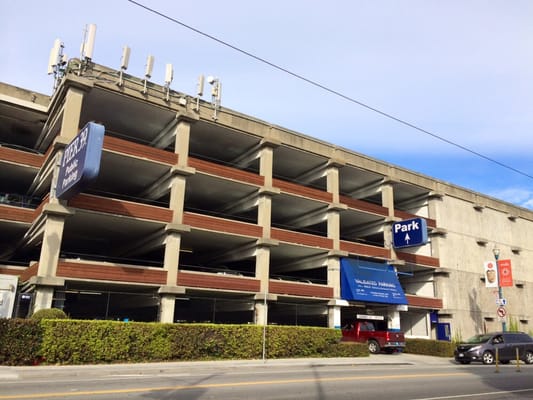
{"x": 181, "y": 146}
{"x": 54, "y": 218}
{"x": 70, "y": 124}
{"x": 260, "y": 312}
{"x": 334, "y": 317}
{"x": 43, "y": 298}
{"x": 334, "y": 275}
{"x": 54, "y": 213}
{"x": 262, "y": 263}
{"x": 334, "y": 227}
{"x": 394, "y": 319}
{"x": 169, "y": 291}
{"x": 175, "y": 229}
{"x": 177, "y": 197}
{"x": 264, "y": 214}
{"x": 166, "y": 308}
{"x": 332, "y": 176}
{"x": 387, "y": 198}
{"x": 266, "y": 163}
{"x": 434, "y": 201}
{"x": 172, "y": 255}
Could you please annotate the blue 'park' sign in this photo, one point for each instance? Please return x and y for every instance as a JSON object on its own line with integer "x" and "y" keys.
{"x": 409, "y": 233}
{"x": 81, "y": 161}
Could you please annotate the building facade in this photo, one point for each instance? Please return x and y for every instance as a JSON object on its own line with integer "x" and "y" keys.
{"x": 202, "y": 214}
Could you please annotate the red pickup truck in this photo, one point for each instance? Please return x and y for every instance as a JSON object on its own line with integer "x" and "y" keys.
{"x": 365, "y": 332}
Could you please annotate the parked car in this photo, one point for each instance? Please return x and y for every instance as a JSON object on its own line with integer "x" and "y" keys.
{"x": 483, "y": 348}
{"x": 377, "y": 340}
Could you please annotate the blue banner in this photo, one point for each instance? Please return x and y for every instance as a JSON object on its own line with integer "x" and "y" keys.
{"x": 370, "y": 282}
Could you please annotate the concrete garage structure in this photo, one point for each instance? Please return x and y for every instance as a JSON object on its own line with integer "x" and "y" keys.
{"x": 200, "y": 213}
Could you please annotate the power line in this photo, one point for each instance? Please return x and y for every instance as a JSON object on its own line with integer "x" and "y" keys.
{"x": 332, "y": 91}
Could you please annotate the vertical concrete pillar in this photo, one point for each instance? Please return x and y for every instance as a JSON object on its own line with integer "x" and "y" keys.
{"x": 175, "y": 229}
{"x": 167, "y": 303}
{"x": 334, "y": 227}
{"x": 264, "y": 213}
{"x": 264, "y": 219}
{"x": 394, "y": 319}
{"x": 434, "y": 201}
{"x": 334, "y": 276}
{"x": 54, "y": 213}
{"x": 266, "y": 161}
{"x": 70, "y": 124}
{"x": 334, "y": 233}
{"x": 334, "y": 317}
{"x": 181, "y": 145}
{"x": 261, "y": 310}
{"x": 177, "y": 194}
{"x": 262, "y": 273}
{"x": 262, "y": 262}
{"x": 387, "y": 198}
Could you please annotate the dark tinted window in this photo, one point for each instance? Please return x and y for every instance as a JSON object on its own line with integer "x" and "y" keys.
{"x": 517, "y": 338}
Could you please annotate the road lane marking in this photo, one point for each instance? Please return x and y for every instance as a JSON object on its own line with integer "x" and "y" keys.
{"x": 225, "y": 385}
{"x": 465, "y": 396}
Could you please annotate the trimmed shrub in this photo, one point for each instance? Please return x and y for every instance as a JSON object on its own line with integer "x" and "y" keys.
{"x": 49, "y": 313}
{"x": 20, "y": 342}
{"x": 91, "y": 342}
{"x": 439, "y": 348}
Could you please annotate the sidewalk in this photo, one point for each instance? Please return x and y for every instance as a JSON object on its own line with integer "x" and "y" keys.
{"x": 34, "y": 372}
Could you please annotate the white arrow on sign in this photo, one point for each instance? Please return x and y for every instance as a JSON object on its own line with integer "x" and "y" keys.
{"x": 407, "y": 238}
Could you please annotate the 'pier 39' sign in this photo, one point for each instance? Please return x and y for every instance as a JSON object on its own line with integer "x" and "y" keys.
{"x": 80, "y": 163}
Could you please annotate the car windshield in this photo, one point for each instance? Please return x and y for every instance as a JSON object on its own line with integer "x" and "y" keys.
{"x": 478, "y": 339}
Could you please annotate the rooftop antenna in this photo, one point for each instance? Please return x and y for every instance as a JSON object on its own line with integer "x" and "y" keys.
{"x": 199, "y": 91}
{"x": 87, "y": 46}
{"x": 148, "y": 71}
{"x": 57, "y": 61}
{"x": 124, "y": 61}
{"x": 216, "y": 94}
{"x": 169, "y": 75}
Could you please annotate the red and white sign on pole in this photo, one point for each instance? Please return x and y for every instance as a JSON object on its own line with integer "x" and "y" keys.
{"x": 505, "y": 273}
{"x": 491, "y": 274}
{"x": 501, "y": 311}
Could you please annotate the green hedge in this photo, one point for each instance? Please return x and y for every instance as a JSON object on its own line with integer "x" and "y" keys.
{"x": 92, "y": 342}
{"x": 20, "y": 341}
{"x": 429, "y": 347}
{"x": 64, "y": 341}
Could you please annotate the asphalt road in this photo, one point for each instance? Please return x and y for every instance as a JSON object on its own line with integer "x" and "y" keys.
{"x": 380, "y": 377}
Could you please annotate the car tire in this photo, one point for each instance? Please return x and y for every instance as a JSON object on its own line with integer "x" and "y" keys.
{"x": 464, "y": 362}
{"x": 528, "y": 357}
{"x": 488, "y": 358}
{"x": 373, "y": 346}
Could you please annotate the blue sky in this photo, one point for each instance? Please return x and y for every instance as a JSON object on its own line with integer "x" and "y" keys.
{"x": 460, "y": 69}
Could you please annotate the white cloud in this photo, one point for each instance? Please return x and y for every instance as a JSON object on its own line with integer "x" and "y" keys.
{"x": 519, "y": 196}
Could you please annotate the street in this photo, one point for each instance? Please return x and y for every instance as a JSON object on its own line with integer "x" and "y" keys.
{"x": 398, "y": 377}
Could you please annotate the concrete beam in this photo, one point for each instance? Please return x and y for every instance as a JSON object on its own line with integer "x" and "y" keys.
{"x": 239, "y": 253}
{"x": 313, "y": 174}
{"x": 244, "y": 204}
{"x": 303, "y": 264}
{"x": 308, "y": 219}
{"x": 370, "y": 228}
{"x": 166, "y": 136}
{"x": 247, "y": 157}
{"x": 157, "y": 189}
{"x": 368, "y": 190}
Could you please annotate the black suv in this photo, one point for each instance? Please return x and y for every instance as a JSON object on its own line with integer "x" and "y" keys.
{"x": 483, "y": 348}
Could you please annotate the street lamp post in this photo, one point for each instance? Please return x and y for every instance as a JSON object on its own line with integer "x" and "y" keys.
{"x": 496, "y": 252}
